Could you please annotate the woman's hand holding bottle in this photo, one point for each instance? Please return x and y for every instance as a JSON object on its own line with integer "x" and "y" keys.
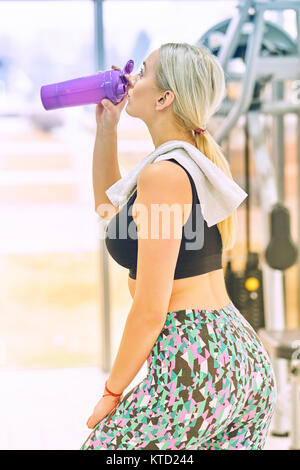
{"x": 107, "y": 113}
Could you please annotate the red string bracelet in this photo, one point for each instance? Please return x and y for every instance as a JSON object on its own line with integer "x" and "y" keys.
{"x": 114, "y": 395}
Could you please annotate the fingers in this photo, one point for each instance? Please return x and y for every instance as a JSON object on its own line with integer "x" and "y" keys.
{"x": 113, "y": 66}
{"x": 88, "y": 423}
{"x": 93, "y": 420}
{"x": 109, "y": 106}
{"x": 106, "y": 103}
{"x": 128, "y": 77}
{"x": 130, "y": 80}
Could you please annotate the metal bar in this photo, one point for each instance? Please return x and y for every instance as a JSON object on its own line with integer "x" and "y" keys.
{"x": 278, "y": 140}
{"x": 298, "y": 29}
{"x": 233, "y": 34}
{"x": 99, "y": 34}
{"x": 282, "y": 67}
{"x": 265, "y": 107}
{"x": 277, "y": 5}
{"x": 272, "y": 278}
{"x": 248, "y": 80}
{"x": 298, "y": 165}
{"x": 105, "y": 326}
{"x": 112, "y": 1}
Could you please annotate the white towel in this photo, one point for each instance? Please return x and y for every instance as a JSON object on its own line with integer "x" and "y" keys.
{"x": 218, "y": 194}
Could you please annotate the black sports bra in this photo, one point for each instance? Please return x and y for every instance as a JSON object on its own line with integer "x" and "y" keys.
{"x": 200, "y": 249}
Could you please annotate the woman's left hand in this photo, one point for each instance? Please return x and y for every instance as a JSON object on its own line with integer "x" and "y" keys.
{"x": 104, "y": 406}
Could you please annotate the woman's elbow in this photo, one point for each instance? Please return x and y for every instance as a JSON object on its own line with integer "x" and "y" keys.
{"x": 149, "y": 310}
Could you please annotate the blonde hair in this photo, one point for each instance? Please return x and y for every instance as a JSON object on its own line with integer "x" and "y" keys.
{"x": 197, "y": 80}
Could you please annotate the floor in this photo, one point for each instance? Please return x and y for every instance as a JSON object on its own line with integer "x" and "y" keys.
{"x": 47, "y": 409}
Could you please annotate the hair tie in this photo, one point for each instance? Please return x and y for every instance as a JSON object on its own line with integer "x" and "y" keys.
{"x": 200, "y": 131}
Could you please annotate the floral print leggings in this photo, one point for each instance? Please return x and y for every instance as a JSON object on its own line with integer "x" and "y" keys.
{"x": 210, "y": 386}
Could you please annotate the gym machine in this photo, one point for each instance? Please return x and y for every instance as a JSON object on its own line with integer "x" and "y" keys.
{"x": 256, "y": 52}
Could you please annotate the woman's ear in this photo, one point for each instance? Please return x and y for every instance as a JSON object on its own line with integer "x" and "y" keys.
{"x": 168, "y": 97}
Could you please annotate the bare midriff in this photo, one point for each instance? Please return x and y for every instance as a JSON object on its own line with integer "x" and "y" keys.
{"x": 205, "y": 291}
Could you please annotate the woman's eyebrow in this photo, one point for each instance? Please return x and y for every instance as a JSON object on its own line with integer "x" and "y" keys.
{"x": 144, "y": 63}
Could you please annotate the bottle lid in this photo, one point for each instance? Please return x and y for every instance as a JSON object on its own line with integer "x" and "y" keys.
{"x": 126, "y": 70}
{"x": 116, "y": 82}
{"x": 129, "y": 66}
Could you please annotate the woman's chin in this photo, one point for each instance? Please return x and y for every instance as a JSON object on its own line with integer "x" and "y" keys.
{"x": 126, "y": 107}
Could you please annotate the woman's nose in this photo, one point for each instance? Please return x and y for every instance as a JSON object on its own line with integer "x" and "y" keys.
{"x": 131, "y": 79}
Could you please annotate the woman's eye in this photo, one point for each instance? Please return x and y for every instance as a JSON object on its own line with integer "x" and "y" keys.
{"x": 141, "y": 72}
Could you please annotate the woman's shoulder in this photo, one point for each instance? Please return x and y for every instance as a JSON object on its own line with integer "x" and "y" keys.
{"x": 167, "y": 179}
{"x": 164, "y": 182}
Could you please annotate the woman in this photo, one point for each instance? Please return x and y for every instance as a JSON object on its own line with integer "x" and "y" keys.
{"x": 210, "y": 383}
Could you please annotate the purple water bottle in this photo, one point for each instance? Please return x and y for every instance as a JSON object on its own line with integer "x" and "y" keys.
{"x": 110, "y": 84}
